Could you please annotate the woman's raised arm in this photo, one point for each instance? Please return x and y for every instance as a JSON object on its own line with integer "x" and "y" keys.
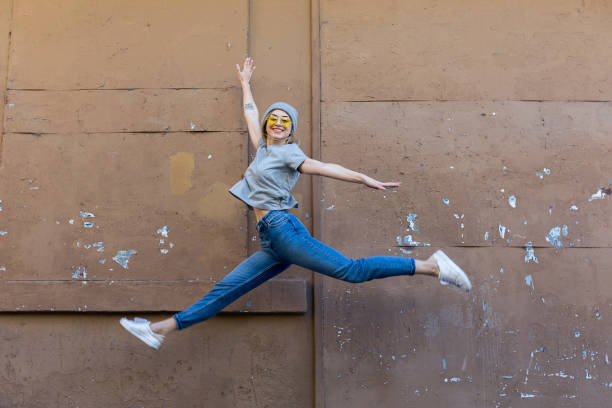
{"x": 251, "y": 114}
{"x": 311, "y": 166}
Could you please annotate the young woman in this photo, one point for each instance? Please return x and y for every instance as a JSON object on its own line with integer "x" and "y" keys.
{"x": 266, "y": 188}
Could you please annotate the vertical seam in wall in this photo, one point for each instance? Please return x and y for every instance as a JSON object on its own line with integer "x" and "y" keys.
{"x": 8, "y": 57}
{"x": 249, "y": 149}
{"x": 317, "y": 279}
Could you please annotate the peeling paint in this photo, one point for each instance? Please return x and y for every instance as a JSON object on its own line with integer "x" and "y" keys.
{"x": 411, "y": 220}
{"x": 530, "y": 253}
{"x": 529, "y": 282}
{"x": 601, "y": 193}
{"x": 80, "y": 273}
{"x": 163, "y": 231}
{"x": 408, "y": 241}
{"x": 512, "y": 201}
{"x": 554, "y": 236}
{"x": 123, "y": 257}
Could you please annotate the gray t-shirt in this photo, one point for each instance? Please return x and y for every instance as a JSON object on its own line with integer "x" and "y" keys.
{"x": 269, "y": 179}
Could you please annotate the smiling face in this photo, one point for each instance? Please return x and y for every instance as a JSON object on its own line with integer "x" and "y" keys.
{"x": 278, "y": 127}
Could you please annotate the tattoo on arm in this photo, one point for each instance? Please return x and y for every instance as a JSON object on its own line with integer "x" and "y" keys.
{"x": 249, "y": 106}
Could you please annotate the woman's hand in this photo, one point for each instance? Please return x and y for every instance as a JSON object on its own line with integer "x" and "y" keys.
{"x": 370, "y": 182}
{"x": 244, "y": 75}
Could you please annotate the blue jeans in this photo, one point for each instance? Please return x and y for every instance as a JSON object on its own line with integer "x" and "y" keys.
{"x": 285, "y": 241}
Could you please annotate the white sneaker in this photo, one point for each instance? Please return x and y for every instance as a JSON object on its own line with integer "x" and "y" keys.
{"x": 450, "y": 273}
{"x": 141, "y": 328}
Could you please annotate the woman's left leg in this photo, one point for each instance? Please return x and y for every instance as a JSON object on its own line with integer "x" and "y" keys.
{"x": 294, "y": 244}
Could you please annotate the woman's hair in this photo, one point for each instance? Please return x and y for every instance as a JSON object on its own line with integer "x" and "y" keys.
{"x": 290, "y": 110}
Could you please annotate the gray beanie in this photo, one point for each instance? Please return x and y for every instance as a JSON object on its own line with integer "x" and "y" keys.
{"x": 291, "y": 111}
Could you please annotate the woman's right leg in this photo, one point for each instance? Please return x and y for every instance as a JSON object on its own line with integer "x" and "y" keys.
{"x": 252, "y": 272}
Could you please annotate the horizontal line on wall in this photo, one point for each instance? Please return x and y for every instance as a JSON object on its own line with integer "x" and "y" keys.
{"x": 126, "y": 132}
{"x": 112, "y": 89}
{"x": 501, "y": 246}
{"x": 466, "y": 100}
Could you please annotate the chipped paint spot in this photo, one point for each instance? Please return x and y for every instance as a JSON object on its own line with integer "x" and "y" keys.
{"x": 512, "y": 201}
{"x": 576, "y": 334}
{"x": 71, "y": 221}
{"x": 546, "y": 171}
{"x": 81, "y": 272}
{"x": 446, "y": 201}
{"x": 601, "y": 193}
{"x": 3, "y": 233}
{"x": 86, "y": 215}
{"x": 443, "y": 364}
{"x": 163, "y": 231}
{"x": 331, "y": 207}
{"x": 3, "y": 268}
{"x": 573, "y": 208}
{"x": 539, "y": 174}
{"x": 123, "y": 257}
{"x": 453, "y": 380}
{"x": 163, "y": 251}
{"x": 529, "y": 282}
{"x": 554, "y": 236}
{"x": 502, "y": 231}
{"x": 102, "y": 261}
{"x": 486, "y": 236}
{"x": 523, "y": 395}
{"x": 88, "y": 224}
{"x": 209, "y": 156}
{"x": 529, "y": 253}
{"x": 501, "y": 270}
{"x": 192, "y": 125}
{"x": 408, "y": 241}
{"x": 411, "y": 220}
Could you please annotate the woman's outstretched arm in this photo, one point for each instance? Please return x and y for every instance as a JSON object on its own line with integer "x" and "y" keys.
{"x": 251, "y": 114}
{"x": 311, "y": 166}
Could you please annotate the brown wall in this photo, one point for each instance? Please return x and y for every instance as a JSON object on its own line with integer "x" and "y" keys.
{"x": 132, "y": 112}
{"x": 468, "y": 101}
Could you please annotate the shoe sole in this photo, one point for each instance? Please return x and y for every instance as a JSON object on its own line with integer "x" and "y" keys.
{"x": 441, "y": 256}
{"x": 135, "y": 329}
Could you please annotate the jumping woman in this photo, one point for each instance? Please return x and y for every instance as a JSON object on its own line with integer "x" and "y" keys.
{"x": 266, "y": 189}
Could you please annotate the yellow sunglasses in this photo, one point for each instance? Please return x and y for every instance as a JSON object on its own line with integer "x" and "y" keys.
{"x": 284, "y": 121}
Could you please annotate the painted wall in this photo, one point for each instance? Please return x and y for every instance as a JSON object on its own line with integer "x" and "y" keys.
{"x": 496, "y": 118}
{"x": 121, "y": 120}
{"x": 122, "y": 133}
